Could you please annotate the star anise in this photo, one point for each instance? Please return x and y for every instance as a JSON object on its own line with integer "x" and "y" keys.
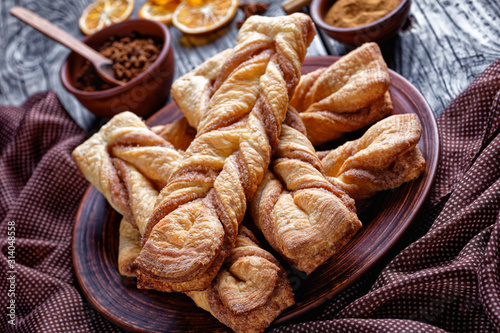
{"x": 251, "y": 8}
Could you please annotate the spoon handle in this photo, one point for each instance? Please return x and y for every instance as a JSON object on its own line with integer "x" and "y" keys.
{"x": 59, "y": 35}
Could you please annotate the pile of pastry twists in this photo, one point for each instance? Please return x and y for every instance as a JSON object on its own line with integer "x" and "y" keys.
{"x": 246, "y": 143}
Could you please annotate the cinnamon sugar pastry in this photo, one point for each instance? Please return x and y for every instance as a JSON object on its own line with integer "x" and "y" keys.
{"x": 125, "y": 151}
{"x": 350, "y": 94}
{"x": 126, "y": 189}
{"x": 129, "y": 247}
{"x": 111, "y": 160}
{"x": 193, "y": 91}
{"x": 195, "y": 222}
{"x": 250, "y": 290}
{"x": 385, "y": 157}
{"x": 302, "y": 215}
{"x": 295, "y": 172}
{"x": 179, "y": 133}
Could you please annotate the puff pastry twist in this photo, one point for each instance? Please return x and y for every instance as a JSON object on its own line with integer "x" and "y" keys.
{"x": 385, "y": 157}
{"x": 195, "y": 222}
{"x": 127, "y": 163}
{"x": 350, "y": 94}
{"x": 287, "y": 205}
{"x": 251, "y": 289}
{"x": 301, "y": 213}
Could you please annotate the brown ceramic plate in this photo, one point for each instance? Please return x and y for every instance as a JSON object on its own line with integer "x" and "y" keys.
{"x": 95, "y": 241}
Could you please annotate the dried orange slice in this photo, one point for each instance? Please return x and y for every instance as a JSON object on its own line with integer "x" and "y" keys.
{"x": 102, "y": 13}
{"x": 159, "y": 10}
{"x": 202, "y": 16}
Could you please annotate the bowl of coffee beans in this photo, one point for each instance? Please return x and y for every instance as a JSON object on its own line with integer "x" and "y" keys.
{"x": 142, "y": 59}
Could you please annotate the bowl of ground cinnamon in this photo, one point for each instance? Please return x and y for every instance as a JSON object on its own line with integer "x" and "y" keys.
{"x": 143, "y": 60}
{"x": 354, "y": 22}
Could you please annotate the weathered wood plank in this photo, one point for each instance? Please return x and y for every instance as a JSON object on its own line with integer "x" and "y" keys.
{"x": 448, "y": 43}
{"x": 30, "y": 62}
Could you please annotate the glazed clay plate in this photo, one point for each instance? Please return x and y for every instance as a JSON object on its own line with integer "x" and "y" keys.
{"x": 95, "y": 241}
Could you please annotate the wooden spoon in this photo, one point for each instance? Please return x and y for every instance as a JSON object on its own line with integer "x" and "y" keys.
{"x": 100, "y": 62}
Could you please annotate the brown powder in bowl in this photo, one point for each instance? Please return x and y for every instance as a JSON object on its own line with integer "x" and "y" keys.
{"x": 355, "y": 13}
{"x": 131, "y": 55}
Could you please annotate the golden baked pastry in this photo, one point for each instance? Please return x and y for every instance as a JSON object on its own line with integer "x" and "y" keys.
{"x": 193, "y": 91}
{"x": 179, "y": 133}
{"x": 295, "y": 170}
{"x": 125, "y": 142}
{"x": 127, "y": 163}
{"x": 250, "y": 290}
{"x": 302, "y": 215}
{"x": 385, "y": 157}
{"x": 194, "y": 224}
{"x": 128, "y": 248}
{"x": 350, "y": 94}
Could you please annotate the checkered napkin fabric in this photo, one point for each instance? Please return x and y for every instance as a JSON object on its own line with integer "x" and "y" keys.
{"x": 40, "y": 191}
{"x": 443, "y": 275}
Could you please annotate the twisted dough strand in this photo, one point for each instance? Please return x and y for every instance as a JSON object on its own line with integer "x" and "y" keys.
{"x": 195, "y": 222}
{"x": 250, "y": 290}
{"x": 350, "y": 94}
{"x": 294, "y": 186}
{"x": 121, "y": 155}
{"x": 385, "y": 157}
{"x": 128, "y": 164}
{"x": 300, "y": 212}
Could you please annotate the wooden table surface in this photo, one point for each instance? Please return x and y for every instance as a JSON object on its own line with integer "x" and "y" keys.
{"x": 442, "y": 48}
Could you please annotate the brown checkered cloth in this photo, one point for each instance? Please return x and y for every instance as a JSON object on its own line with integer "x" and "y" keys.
{"x": 40, "y": 191}
{"x": 443, "y": 276}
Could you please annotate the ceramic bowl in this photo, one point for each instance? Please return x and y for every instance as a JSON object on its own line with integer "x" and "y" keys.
{"x": 142, "y": 95}
{"x": 378, "y": 31}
